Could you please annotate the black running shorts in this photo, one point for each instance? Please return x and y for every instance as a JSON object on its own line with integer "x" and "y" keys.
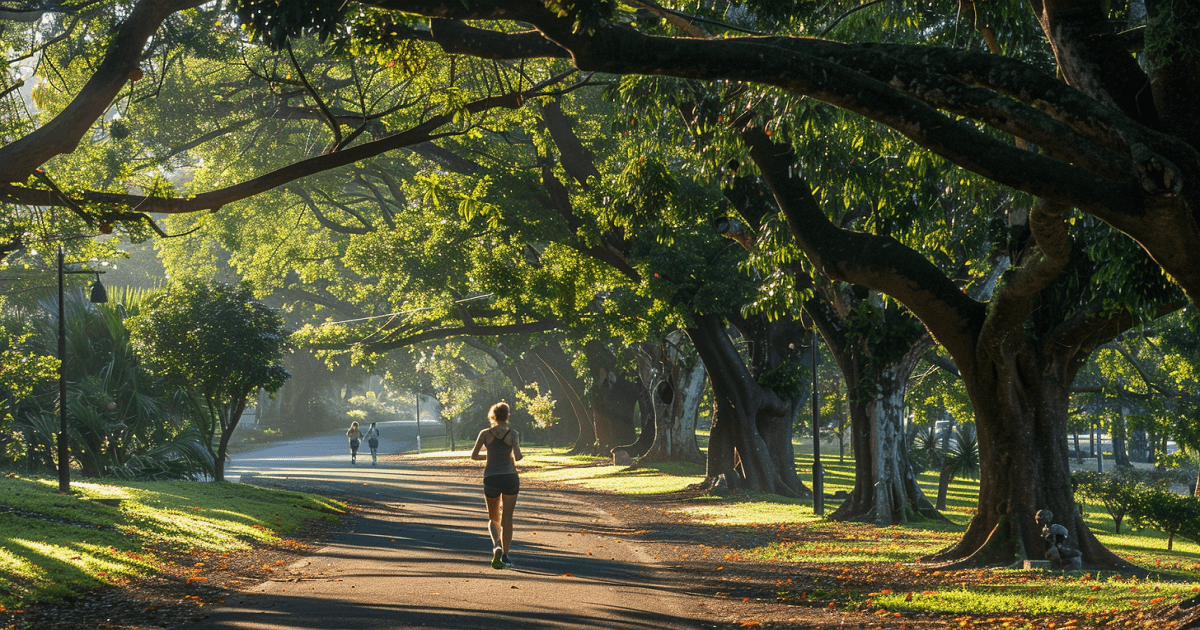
{"x": 496, "y": 485}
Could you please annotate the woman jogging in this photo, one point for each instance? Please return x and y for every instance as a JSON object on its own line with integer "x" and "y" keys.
{"x": 373, "y": 441}
{"x": 500, "y": 480}
{"x": 355, "y": 435}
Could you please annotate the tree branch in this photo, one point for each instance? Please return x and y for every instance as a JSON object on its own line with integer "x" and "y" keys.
{"x": 875, "y": 262}
{"x": 214, "y": 200}
{"x": 1013, "y": 302}
{"x": 1141, "y": 371}
{"x": 62, "y": 133}
{"x": 576, "y": 160}
{"x": 345, "y": 308}
{"x": 459, "y": 331}
{"x": 334, "y": 126}
{"x": 456, "y": 37}
{"x": 325, "y": 221}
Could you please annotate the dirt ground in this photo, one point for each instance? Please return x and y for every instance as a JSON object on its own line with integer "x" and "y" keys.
{"x": 733, "y": 592}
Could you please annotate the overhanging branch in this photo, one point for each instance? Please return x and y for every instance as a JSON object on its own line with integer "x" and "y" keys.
{"x": 459, "y": 331}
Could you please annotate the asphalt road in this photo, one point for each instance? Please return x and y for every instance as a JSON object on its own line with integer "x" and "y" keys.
{"x": 419, "y": 555}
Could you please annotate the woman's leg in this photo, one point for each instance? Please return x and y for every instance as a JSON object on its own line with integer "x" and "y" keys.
{"x": 493, "y": 508}
{"x": 506, "y": 521}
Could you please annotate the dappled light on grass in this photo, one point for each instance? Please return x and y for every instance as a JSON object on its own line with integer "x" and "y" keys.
{"x": 1149, "y": 549}
{"x": 747, "y": 510}
{"x": 53, "y": 545}
{"x": 652, "y": 479}
{"x": 1036, "y": 593}
{"x": 549, "y": 457}
{"x": 847, "y": 543}
{"x": 46, "y": 563}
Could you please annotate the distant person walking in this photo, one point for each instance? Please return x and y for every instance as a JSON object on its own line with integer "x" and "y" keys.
{"x": 500, "y": 480}
{"x": 355, "y": 435}
{"x": 373, "y": 441}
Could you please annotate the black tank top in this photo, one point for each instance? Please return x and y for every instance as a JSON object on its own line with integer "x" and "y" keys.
{"x": 499, "y": 455}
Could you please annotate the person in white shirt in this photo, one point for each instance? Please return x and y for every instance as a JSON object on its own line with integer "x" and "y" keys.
{"x": 373, "y": 441}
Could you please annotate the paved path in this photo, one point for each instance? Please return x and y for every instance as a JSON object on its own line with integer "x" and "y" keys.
{"x": 418, "y": 557}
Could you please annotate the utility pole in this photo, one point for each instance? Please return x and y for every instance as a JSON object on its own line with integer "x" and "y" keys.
{"x": 418, "y": 395}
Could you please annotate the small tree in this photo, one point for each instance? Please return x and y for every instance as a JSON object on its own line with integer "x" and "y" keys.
{"x": 540, "y": 406}
{"x": 1117, "y": 491}
{"x": 221, "y": 344}
{"x": 1169, "y": 512}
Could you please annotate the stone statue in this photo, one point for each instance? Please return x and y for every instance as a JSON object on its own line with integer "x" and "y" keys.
{"x": 1060, "y": 554}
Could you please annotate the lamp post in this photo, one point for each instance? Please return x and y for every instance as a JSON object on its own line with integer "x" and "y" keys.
{"x": 98, "y": 295}
{"x": 818, "y": 477}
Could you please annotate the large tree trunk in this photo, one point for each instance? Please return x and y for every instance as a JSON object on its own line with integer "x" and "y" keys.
{"x": 1020, "y": 413}
{"x": 1120, "y": 454}
{"x": 646, "y": 414}
{"x": 676, "y": 389}
{"x": 585, "y": 442}
{"x": 614, "y": 396}
{"x": 676, "y": 412}
{"x": 750, "y": 441}
{"x": 550, "y": 367}
{"x": 1137, "y": 445}
{"x": 885, "y": 487}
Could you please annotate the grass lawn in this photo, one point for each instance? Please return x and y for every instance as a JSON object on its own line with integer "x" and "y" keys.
{"x": 54, "y": 545}
{"x": 805, "y": 537}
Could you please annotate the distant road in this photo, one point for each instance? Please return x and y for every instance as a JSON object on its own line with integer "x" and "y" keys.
{"x": 328, "y": 449}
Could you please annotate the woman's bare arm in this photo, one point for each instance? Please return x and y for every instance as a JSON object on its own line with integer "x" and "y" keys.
{"x": 476, "y": 454}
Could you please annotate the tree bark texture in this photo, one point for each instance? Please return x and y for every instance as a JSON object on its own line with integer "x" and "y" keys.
{"x": 614, "y": 396}
{"x": 646, "y": 435}
{"x": 1120, "y": 454}
{"x": 1024, "y": 468}
{"x": 751, "y": 435}
{"x": 885, "y": 487}
{"x": 676, "y": 383}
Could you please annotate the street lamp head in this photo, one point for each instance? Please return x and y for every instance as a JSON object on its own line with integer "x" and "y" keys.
{"x": 99, "y": 294}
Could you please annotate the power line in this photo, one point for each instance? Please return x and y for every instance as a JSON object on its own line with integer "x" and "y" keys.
{"x": 415, "y": 310}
